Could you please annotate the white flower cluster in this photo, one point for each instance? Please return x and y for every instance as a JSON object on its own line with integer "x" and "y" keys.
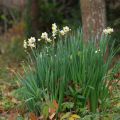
{"x": 65, "y": 30}
{"x": 31, "y": 42}
{"x": 25, "y": 44}
{"x": 108, "y": 30}
{"x": 44, "y": 36}
{"x": 54, "y": 30}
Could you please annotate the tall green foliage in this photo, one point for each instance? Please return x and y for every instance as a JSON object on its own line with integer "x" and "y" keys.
{"x": 69, "y": 70}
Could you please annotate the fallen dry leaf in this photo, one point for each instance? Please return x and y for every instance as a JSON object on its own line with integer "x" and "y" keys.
{"x": 33, "y": 116}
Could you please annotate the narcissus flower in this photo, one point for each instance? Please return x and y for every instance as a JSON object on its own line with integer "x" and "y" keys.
{"x": 25, "y": 44}
{"x": 97, "y": 51}
{"x": 62, "y": 32}
{"x": 44, "y": 36}
{"x": 54, "y": 29}
{"x": 108, "y": 30}
{"x": 48, "y": 40}
{"x": 32, "y": 45}
{"x": 31, "y": 42}
{"x": 39, "y": 39}
{"x": 66, "y": 29}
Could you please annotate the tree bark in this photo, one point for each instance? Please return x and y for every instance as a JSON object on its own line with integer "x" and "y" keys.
{"x": 93, "y": 18}
{"x": 35, "y": 14}
{"x": 31, "y": 17}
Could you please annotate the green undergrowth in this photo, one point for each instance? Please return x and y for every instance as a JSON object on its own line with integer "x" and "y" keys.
{"x": 11, "y": 57}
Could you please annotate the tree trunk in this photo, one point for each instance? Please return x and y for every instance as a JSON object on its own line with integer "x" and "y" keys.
{"x": 93, "y": 18}
{"x": 31, "y": 17}
{"x": 35, "y": 14}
